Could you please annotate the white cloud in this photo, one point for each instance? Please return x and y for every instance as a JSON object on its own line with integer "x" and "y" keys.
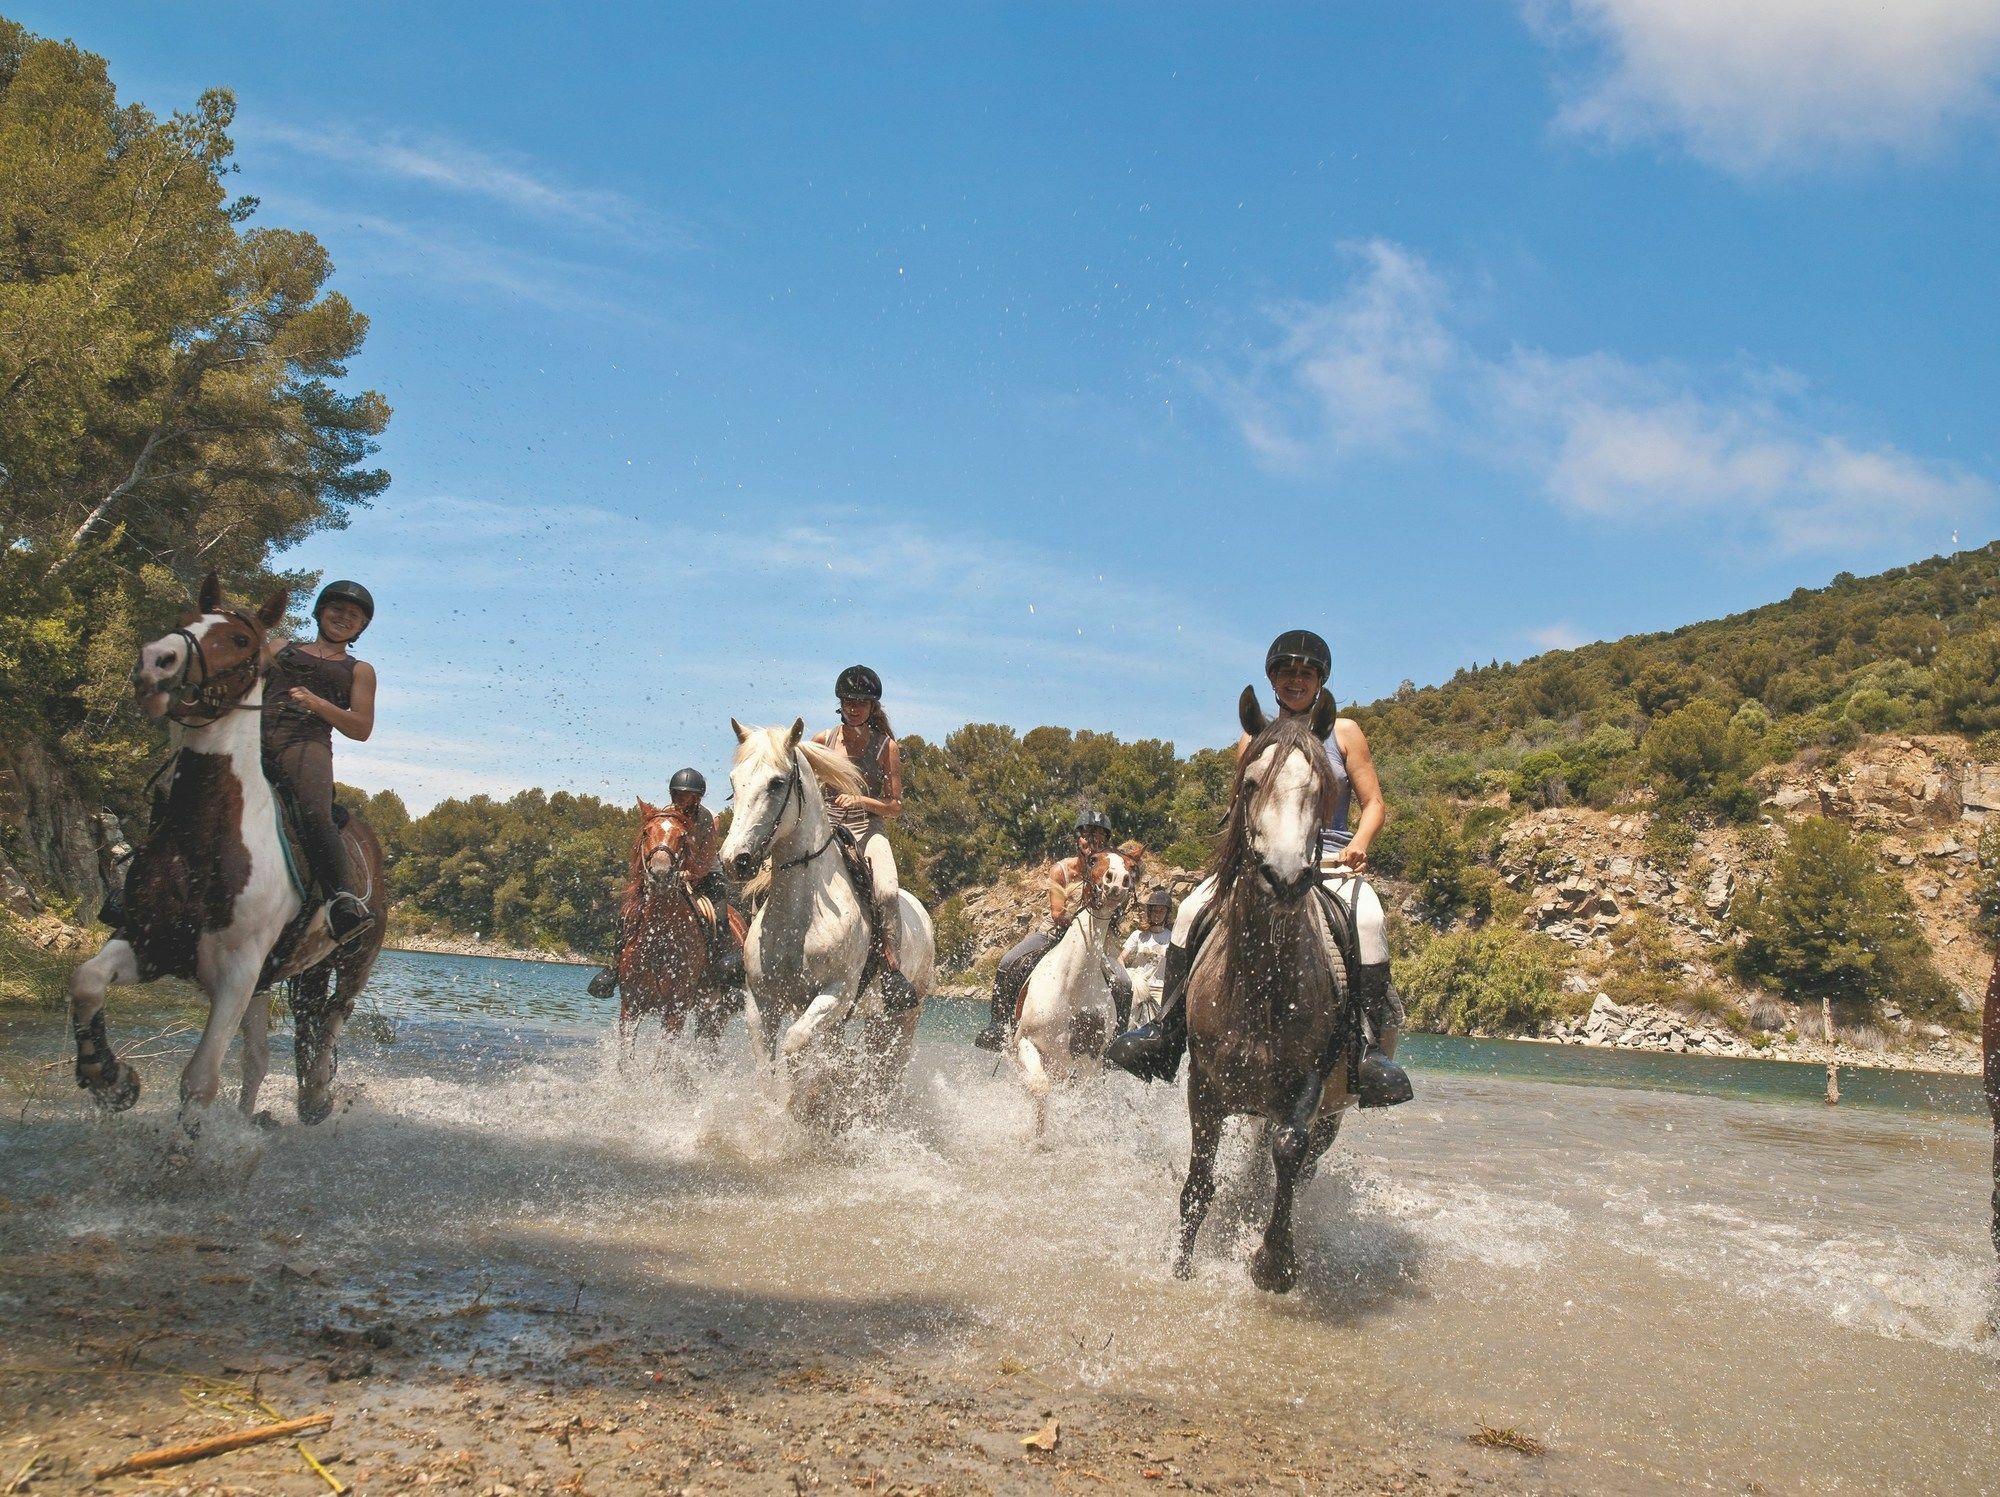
{"x": 433, "y": 161}
{"x": 1757, "y": 85}
{"x": 1556, "y": 637}
{"x": 1737, "y": 452}
{"x": 1358, "y": 370}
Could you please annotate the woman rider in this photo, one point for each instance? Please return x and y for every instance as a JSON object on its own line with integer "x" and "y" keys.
{"x": 315, "y": 688}
{"x": 1069, "y": 880}
{"x": 1146, "y": 947}
{"x": 1298, "y": 664}
{"x": 685, "y": 790}
{"x": 866, "y": 740}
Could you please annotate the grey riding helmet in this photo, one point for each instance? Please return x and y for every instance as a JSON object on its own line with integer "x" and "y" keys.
{"x": 344, "y": 591}
{"x": 1093, "y": 821}
{"x": 1159, "y": 899}
{"x": 1300, "y": 644}
{"x": 687, "y": 779}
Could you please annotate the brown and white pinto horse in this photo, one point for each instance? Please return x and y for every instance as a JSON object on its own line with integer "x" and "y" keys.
{"x": 662, "y": 963}
{"x": 211, "y": 895}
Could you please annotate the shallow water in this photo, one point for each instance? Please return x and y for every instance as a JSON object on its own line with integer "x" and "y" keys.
{"x": 1677, "y": 1272}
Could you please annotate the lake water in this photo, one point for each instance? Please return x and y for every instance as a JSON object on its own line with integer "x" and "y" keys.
{"x": 1679, "y": 1272}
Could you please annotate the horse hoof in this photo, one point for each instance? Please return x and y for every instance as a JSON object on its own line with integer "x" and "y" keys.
{"x": 119, "y": 1094}
{"x": 315, "y": 1107}
{"x": 1184, "y": 1266}
{"x": 262, "y": 1119}
{"x": 1271, "y": 1273}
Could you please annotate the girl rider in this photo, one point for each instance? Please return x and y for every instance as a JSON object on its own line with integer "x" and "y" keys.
{"x": 1298, "y": 664}
{"x": 1068, "y": 879}
{"x": 867, "y": 741}
{"x": 685, "y": 790}
{"x": 313, "y": 689}
{"x": 1146, "y": 947}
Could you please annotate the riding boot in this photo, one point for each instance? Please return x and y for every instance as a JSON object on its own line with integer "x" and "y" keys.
{"x": 725, "y": 957}
{"x": 1001, "y": 1016}
{"x": 1383, "y": 1083}
{"x": 898, "y": 996}
{"x": 1152, "y": 1052}
{"x": 347, "y": 917}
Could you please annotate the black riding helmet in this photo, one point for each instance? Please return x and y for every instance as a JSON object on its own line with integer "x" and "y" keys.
{"x": 687, "y": 779}
{"x": 1093, "y": 821}
{"x": 1159, "y": 899}
{"x": 345, "y": 592}
{"x": 1300, "y": 644}
{"x": 858, "y": 683}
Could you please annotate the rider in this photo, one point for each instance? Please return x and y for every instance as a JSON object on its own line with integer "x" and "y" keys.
{"x": 314, "y": 688}
{"x": 1297, "y": 665}
{"x": 1146, "y": 947}
{"x": 865, "y": 739}
{"x": 1069, "y": 882}
{"x": 700, "y": 873}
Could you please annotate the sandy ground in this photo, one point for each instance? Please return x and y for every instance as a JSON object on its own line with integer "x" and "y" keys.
{"x": 544, "y": 1386}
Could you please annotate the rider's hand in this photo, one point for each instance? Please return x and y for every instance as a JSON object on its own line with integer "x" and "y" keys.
{"x": 1354, "y": 859}
{"x": 846, "y": 802}
{"x": 304, "y": 700}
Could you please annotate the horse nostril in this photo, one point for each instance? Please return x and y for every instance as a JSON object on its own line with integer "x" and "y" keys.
{"x": 744, "y": 864}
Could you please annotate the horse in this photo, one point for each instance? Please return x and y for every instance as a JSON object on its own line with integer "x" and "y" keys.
{"x": 808, "y": 946}
{"x": 211, "y": 896}
{"x": 1989, "y": 1034}
{"x": 1269, "y": 1027}
{"x": 1067, "y": 1010}
{"x": 662, "y": 961}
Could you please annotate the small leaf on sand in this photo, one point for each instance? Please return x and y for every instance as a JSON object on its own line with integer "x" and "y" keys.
{"x": 1045, "y": 1438}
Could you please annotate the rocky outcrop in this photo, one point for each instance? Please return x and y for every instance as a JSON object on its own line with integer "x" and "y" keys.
{"x": 58, "y": 842}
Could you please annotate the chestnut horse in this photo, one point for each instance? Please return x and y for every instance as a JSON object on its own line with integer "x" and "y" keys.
{"x": 211, "y": 896}
{"x": 662, "y": 962}
{"x": 1269, "y": 1030}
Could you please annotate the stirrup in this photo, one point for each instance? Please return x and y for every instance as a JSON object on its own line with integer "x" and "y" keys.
{"x": 347, "y": 918}
{"x": 898, "y": 996}
{"x": 603, "y": 983}
{"x": 1383, "y": 1083}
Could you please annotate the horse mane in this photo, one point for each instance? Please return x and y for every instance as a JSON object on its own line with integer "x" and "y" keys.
{"x": 834, "y": 769}
{"x": 1288, "y": 735}
{"x": 828, "y": 768}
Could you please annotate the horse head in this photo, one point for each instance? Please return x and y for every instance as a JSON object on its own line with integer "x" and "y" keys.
{"x": 1274, "y": 818}
{"x": 1112, "y": 882}
{"x": 766, "y": 783}
{"x": 662, "y": 843}
{"x": 207, "y": 665}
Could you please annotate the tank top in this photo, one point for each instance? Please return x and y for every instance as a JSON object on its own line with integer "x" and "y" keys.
{"x": 873, "y": 767}
{"x": 1335, "y": 834}
{"x": 285, "y": 724}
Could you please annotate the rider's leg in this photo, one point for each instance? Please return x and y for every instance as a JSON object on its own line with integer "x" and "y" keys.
{"x": 725, "y": 957}
{"x": 307, "y": 769}
{"x": 1152, "y": 1052}
{"x": 1014, "y": 968}
{"x": 1383, "y": 1082}
{"x": 897, "y": 994}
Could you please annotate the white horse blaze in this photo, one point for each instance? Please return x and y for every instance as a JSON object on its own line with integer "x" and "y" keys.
{"x": 1281, "y": 831}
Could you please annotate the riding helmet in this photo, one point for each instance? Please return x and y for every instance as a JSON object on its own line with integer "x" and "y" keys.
{"x": 1159, "y": 899}
{"x": 1086, "y": 820}
{"x": 858, "y": 683}
{"x": 687, "y": 779}
{"x": 1300, "y": 644}
{"x": 345, "y": 592}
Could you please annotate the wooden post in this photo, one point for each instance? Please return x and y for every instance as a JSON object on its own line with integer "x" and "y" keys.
{"x": 1832, "y": 1055}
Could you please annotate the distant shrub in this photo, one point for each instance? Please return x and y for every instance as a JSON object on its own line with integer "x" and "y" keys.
{"x": 957, "y": 936}
{"x": 1495, "y": 980}
{"x": 1830, "y": 923}
{"x": 1769, "y": 1015}
{"x": 1986, "y": 891}
{"x": 1698, "y": 757}
{"x": 1966, "y": 682}
{"x": 1873, "y": 710}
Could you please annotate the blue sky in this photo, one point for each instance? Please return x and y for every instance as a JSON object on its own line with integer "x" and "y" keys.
{"x": 1050, "y": 358}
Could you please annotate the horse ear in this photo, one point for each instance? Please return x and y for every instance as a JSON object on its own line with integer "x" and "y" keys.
{"x": 1250, "y": 712}
{"x": 742, "y": 733}
{"x": 211, "y": 594}
{"x": 1324, "y": 715}
{"x": 798, "y": 731}
{"x": 645, "y": 810}
{"x": 273, "y": 608}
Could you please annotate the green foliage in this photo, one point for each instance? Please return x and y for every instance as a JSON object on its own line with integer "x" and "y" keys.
{"x": 1967, "y": 682}
{"x": 1427, "y": 848}
{"x": 1986, "y": 892}
{"x": 1830, "y": 923}
{"x": 170, "y": 395}
{"x": 957, "y": 936}
{"x": 1696, "y": 756}
{"x": 1493, "y": 980}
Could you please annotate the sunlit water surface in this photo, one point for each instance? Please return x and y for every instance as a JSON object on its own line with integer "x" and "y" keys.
{"x": 1675, "y": 1271}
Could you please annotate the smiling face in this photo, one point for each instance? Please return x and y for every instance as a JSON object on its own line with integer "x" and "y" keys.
{"x": 341, "y": 622}
{"x": 1296, "y": 683}
{"x": 855, "y": 711}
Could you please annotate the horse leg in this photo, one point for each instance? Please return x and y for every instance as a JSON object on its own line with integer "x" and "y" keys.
{"x": 1274, "y": 1266}
{"x": 256, "y": 1051}
{"x": 1205, "y": 1123}
{"x": 1036, "y": 1078}
{"x": 230, "y": 980}
{"x": 805, "y": 1028}
{"x": 112, "y": 1084}
{"x": 316, "y": 1020}
{"x": 1318, "y": 1142}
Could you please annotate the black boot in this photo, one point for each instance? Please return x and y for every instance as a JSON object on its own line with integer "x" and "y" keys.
{"x": 348, "y": 918}
{"x": 725, "y": 957}
{"x": 1383, "y": 1082}
{"x": 1152, "y": 1052}
{"x": 998, "y": 1019}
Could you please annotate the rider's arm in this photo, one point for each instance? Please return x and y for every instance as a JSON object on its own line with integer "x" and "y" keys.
{"x": 1131, "y": 951}
{"x": 1367, "y": 791}
{"x": 1059, "y": 892}
{"x": 357, "y": 719}
{"x": 891, "y": 803}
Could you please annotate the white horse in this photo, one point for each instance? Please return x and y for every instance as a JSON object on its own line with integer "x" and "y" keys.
{"x": 808, "y": 941}
{"x": 1068, "y": 1014}
{"x": 211, "y": 895}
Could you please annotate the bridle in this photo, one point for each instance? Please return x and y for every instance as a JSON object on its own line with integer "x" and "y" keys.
{"x": 1287, "y": 891}
{"x": 766, "y": 838}
{"x": 652, "y": 879}
{"x": 215, "y": 693}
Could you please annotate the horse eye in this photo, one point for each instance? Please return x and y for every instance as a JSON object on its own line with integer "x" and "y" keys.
{"x": 241, "y": 641}
{"x": 778, "y": 783}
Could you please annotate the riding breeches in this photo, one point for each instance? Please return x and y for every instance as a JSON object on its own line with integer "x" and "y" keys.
{"x": 1363, "y": 905}
{"x": 888, "y": 888}
{"x": 306, "y": 770}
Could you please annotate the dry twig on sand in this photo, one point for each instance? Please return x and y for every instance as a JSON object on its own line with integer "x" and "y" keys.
{"x": 199, "y": 1450}
{"x": 1507, "y": 1439}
